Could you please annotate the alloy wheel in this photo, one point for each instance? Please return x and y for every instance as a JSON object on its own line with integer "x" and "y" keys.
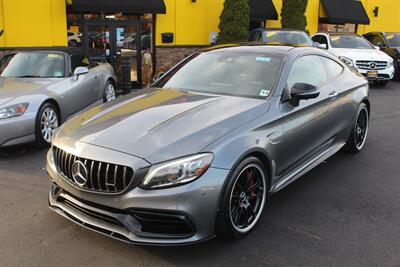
{"x": 247, "y": 198}
{"x": 48, "y": 124}
{"x": 110, "y": 92}
{"x": 361, "y": 128}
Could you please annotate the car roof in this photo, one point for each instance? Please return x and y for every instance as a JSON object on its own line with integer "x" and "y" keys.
{"x": 61, "y": 49}
{"x": 338, "y": 33}
{"x": 255, "y": 47}
{"x": 280, "y": 29}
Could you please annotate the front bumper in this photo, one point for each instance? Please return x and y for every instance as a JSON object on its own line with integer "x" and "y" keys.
{"x": 19, "y": 130}
{"x": 172, "y": 216}
{"x": 386, "y": 74}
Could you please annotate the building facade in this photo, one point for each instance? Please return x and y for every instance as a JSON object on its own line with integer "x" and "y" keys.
{"x": 169, "y": 29}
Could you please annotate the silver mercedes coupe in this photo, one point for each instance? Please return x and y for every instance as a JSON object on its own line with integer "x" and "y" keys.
{"x": 40, "y": 88}
{"x": 197, "y": 155}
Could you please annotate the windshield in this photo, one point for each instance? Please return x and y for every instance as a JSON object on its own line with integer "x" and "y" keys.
{"x": 228, "y": 73}
{"x": 33, "y": 65}
{"x": 393, "y": 39}
{"x": 350, "y": 41}
{"x": 288, "y": 37}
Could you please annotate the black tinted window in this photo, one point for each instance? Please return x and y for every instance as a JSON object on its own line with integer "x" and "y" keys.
{"x": 307, "y": 69}
{"x": 79, "y": 61}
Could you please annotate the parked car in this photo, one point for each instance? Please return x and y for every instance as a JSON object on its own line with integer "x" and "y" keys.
{"x": 198, "y": 154}
{"x": 281, "y": 36}
{"x": 357, "y": 52}
{"x": 41, "y": 88}
{"x": 388, "y": 42}
{"x": 74, "y": 39}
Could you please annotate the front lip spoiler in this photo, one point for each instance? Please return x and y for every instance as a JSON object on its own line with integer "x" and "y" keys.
{"x": 126, "y": 234}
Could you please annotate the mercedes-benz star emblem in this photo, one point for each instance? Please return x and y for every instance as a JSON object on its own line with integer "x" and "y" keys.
{"x": 372, "y": 65}
{"x": 79, "y": 173}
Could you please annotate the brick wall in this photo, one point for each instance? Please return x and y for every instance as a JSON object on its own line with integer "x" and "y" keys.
{"x": 169, "y": 56}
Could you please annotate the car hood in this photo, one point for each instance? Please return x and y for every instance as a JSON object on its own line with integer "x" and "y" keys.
{"x": 11, "y": 88}
{"x": 161, "y": 124}
{"x": 361, "y": 54}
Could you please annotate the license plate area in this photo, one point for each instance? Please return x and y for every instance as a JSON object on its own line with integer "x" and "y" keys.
{"x": 372, "y": 74}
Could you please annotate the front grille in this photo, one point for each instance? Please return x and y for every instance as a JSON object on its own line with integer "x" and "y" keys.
{"x": 371, "y": 65}
{"x": 100, "y": 176}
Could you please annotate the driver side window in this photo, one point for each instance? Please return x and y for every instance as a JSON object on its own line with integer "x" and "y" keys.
{"x": 307, "y": 69}
{"x": 79, "y": 61}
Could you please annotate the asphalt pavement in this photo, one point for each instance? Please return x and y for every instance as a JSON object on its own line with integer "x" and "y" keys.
{"x": 345, "y": 212}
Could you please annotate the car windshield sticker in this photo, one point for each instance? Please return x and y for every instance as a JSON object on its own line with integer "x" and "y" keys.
{"x": 58, "y": 74}
{"x": 264, "y": 92}
{"x": 53, "y": 56}
{"x": 263, "y": 59}
{"x": 269, "y": 34}
{"x": 390, "y": 37}
{"x": 335, "y": 38}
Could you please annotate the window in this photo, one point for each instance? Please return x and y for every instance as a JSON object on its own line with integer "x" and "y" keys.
{"x": 321, "y": 40}
{"x": 307, "y": 69}
{"x": 79, "y": 61}
{"x": 333, "y": 68}
{"x": 33, "y": 65}
{"x": 255, "y": 36}
{"x": 227, "y": 73}
{"x": 349, "y": 41}
{"x": 375, "y": 39}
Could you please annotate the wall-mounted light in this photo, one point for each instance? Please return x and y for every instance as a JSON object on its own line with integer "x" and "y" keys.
{"x": 376, "y": 11}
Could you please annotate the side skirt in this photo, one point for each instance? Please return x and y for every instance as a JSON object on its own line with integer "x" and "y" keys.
{"x": 300, "y": 171}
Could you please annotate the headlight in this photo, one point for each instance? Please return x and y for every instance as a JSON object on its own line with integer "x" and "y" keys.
{"x": 177, "y": 172}
{"x": 347, "y": 61}
{"x": 13, "y": 111}
{"x": 390, "y": 64}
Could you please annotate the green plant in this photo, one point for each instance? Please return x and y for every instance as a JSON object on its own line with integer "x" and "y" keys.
{"x": 292, "y": 14}
{"x": 234, "y": 22}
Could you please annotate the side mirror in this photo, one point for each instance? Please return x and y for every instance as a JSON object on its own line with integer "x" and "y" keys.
{"x": 377, "y": 47}
{"x": 323, "y": 46}
{"x": 80, "y": 71}
{"x": 302, "y": 91}
{"x": 158, "y": 76}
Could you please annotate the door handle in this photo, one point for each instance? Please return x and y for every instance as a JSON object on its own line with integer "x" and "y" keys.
{"x": 96, "y": 76}
{"x": 333, "y": 94}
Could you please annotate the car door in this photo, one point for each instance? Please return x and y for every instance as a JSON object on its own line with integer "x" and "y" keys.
{"x": 310, "y": 127}
{"x": 86, "y": 87}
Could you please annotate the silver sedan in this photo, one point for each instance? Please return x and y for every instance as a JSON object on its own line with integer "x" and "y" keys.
{"x": 40, "y": 89}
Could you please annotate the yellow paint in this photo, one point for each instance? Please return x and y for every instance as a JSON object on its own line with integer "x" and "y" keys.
{"x": 33, "y": 23}
{"x": 43, "y": 22}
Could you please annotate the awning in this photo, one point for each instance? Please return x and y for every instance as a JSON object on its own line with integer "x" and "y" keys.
{"x": 344, "y": 11}
{"x": 262, "y": 10}
{"x": 124, "y": 6}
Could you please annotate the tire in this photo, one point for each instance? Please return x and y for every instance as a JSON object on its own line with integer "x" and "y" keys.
{"x": 359, "y": 133}
{"x": 109, "y": 93}
{"x": 381, "y": 83}
{"x": 47, "y": 121}
{"x": 240, "y": 211}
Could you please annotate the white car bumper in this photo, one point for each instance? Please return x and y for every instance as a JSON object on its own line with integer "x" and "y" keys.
{"x": 385, "y": 74}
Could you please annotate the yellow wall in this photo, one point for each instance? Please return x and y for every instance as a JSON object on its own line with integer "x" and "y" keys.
{"x": 388, "y": 19}
{"x": 33, "y": 23}
{"x": 192, "y": 23}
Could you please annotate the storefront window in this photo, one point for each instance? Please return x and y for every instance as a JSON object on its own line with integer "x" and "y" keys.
{"x": 109, "y": 37}
{"x": 337, "y": 27}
